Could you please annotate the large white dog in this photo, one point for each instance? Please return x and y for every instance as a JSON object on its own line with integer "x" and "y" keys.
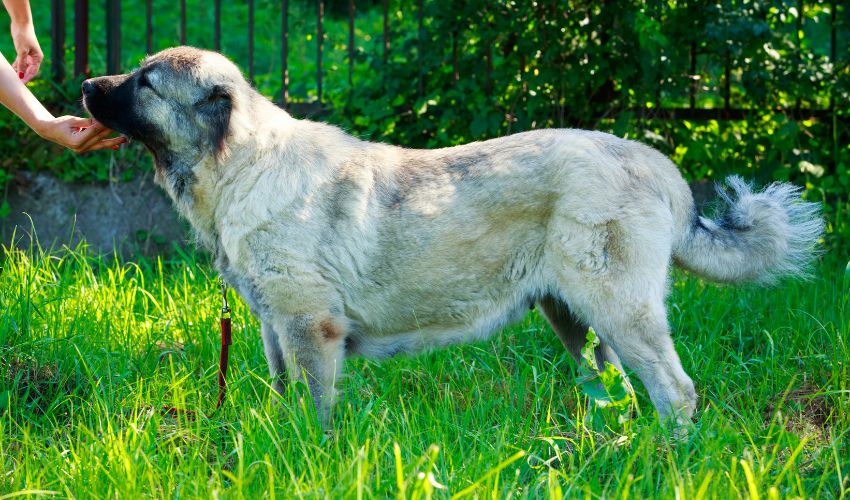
{"x": 346, "y": 247}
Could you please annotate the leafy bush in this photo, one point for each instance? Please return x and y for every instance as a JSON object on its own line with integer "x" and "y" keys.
{"x": 480, "y": 69}
{"x": 609, "y": 67}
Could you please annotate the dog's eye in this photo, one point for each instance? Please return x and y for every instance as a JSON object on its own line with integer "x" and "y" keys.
{"x": 143, "y": 81}
{"x": 215, "y": 97}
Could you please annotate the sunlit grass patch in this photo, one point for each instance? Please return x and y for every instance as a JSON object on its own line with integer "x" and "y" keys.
{"x": 91, "y": 347}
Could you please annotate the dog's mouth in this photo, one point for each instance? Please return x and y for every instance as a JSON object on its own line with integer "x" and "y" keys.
{"x": 99, "y": 99}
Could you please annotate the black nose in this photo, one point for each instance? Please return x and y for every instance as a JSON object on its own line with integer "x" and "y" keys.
{"x": 88, "y": 87}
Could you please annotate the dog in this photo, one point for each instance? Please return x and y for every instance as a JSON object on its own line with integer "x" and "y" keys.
{"x": 344, "y": 247}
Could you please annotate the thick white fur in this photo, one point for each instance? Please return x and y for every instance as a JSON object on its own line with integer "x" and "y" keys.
{"x": 343, "y": 246}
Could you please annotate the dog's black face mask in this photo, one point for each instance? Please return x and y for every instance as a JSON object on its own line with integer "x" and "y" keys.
{"x": 114, "y": 102}
{"x": 178, "y": 122}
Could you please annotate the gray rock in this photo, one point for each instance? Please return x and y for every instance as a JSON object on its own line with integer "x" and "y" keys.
{"x": 128, "y": 217}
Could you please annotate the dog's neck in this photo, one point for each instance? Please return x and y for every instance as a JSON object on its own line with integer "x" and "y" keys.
{"x": 197, "y": 187}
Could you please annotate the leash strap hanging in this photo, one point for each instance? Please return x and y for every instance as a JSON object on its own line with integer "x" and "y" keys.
{"x": 223, "y": 357}
{"x": 226, "y": 340}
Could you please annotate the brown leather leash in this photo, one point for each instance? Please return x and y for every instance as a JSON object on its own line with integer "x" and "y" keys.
{"x": 223, "y": 357}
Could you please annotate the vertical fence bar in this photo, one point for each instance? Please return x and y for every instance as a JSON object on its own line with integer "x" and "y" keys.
{"x": 182, "y": 22}
{"x": 284, "y": 52}
{"x": 149, "y": 26}
{"x": 113, "y": 36}
{"x": 455, "y": 71}
{"x": 833, "y": 6}
{"x": 488, "y": 39}
{"x": 57, "y": 30}
{"x": 659, "y": 78}
{"x": 694, "y": 80}
{"x": 420, "y": 48}
{"x": 386, "y": 31}
{"x": 799, "y": 37}
{"x": 217, "y": 25}
{"x": 488, "y": 76}
{"x": 320, "y": 12}
{"x": 524, "y": 85}
{"x": 351, "y": 12}
{"x": 692, "y": 91}
{"x": 81, "y": 38}
{"x": 727, "y": 76}
{"x": 251, "y": 40}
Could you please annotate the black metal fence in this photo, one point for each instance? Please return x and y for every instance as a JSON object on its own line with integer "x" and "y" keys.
{"x": 82, "y": 40}
{"x": 113, "y": 8}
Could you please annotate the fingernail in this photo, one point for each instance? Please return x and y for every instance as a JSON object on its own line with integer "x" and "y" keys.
{"x": 21, "y": 75}
{"x": 115, "y": 147}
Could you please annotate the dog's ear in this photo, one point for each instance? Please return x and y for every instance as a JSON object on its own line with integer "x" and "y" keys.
{"x": 216, "y": 108}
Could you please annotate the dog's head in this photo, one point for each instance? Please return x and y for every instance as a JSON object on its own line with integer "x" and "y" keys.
{"x": 178, "y": 103}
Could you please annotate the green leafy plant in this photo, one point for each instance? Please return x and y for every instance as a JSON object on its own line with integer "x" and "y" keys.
{"x": 611, "y": 401}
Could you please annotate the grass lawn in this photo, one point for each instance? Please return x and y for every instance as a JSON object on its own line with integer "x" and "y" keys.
{"x": 87, "y": 346}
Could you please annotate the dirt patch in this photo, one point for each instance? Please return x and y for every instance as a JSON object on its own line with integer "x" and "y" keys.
{"x": 33, "y": 385}
{"x": 805, "y": 411}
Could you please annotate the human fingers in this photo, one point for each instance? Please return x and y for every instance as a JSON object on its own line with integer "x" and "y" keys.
{"x": 87, "y": 128}
{"x": 100, "y": 133}
{"x": 113, "y": 143}
{"x": 78, "y": 123}
{"x": 18, "y": 64}
{"x": 32, "y": 64}
{"x": 95, "y": 135}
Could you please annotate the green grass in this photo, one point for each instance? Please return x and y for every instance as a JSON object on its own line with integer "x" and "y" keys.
{"x": 88, "y": 345}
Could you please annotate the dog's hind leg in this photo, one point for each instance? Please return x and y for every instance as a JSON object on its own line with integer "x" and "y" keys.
{"x": 614, "y": 278}
{"x": 573, "y": 333}
{"x": 274, "y": 356}
{"x": 629, "y": 315}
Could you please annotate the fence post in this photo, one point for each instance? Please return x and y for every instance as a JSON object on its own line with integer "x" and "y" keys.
{"x": 284, "y": 52}
{"x": 386, "y": 31}
{"x": 455, "y": 70}
{"x": 113, "y": 36}
{"x": 251, "y": 41}
{"x": 320, "y": 12}
{"x": 351, "y": 12}
{"x": 833, "y": 6}
{"x": 693, "y": 57}
{"x": 386, "y": 43}
{"x": 217, "y": 25}
{"x": 488, "y": 70}
{"x": 727, "y": 76}
{"x": 800, "y": 13}
{"x": 57, "y": 29}
{"x": 420, "y": 44}
{"x": 81, "y": 38}
{"x": 149, "y": 26}
{"x": 694, "y": 80}
{"x": 182, "y": 22}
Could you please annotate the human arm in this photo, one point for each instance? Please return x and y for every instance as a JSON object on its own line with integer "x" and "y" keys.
{"x": 29, "y": 54}
{"x": 64, "y": 130}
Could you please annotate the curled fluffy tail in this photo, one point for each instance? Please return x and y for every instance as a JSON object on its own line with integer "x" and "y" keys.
{"x": 759, "y": 236}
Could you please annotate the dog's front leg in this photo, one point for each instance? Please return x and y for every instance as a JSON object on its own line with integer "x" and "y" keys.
{"x": 313, "y": 347}
{"x": 274, "y": 355}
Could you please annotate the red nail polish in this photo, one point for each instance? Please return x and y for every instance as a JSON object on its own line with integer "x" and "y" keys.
{"x": 21, "y": 75}
{"x": 115, "y": 147}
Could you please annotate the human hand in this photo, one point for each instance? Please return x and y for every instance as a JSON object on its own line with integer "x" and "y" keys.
{"x": 29, "y": 52}
{"x": 80, "y": 135}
